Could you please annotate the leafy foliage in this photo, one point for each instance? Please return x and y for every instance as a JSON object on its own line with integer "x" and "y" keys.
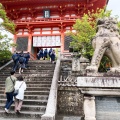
{"x": 85, "y": 31}
{"x": 5, "y": 42}
{"x": 7, "y": 24}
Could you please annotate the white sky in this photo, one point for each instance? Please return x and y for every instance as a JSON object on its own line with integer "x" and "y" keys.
{"x": 114, "y": 5}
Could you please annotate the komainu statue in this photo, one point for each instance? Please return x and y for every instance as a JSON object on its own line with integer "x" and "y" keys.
{"x": 106, "y": 41}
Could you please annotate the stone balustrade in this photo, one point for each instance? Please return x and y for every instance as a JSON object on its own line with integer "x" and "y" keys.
{"x": 52, "y": 100}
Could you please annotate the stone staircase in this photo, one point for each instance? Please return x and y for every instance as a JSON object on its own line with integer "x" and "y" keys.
{"x": 38, "y": 78}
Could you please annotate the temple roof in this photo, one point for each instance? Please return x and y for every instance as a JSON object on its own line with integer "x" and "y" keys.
{"x": 27, "y": 5}
{"x": 17, "y": 9}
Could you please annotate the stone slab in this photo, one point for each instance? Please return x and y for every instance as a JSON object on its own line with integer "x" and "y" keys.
{"x": 71, "y": 118}
{"x": 98, "y": 82}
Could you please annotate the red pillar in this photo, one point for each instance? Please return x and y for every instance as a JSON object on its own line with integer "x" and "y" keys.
{"x": 62, "y": 42}
{"x": 62, "y": 39}
{"x": 29, "y": 42}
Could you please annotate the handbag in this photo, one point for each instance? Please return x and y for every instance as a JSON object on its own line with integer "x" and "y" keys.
{"x": 16, "y": 92}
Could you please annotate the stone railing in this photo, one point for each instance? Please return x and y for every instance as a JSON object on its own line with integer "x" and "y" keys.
{"x": 52, "y": 100}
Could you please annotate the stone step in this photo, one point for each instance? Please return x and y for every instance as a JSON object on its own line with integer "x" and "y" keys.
{"x": 35, "y": 66}
{"x": 45, "y": 92}
{"x": 11, "y": 118}
{"x": 38, "y": 88}
{"x": 40, "y": 97}
{"x": 37, "y": 73}
{"x": 68, "y": 117}
{"x": 34, "y": 79}
{"x": 38, "y": 62}
{"x": 29, "y": 102}
{"x": 38, "y": 77}
{"x": 32, "y": 75}
{"x": 38, "y": 82}
{"x": 40, "y": 72}
{"x": 32, "y": 85}
{"x": 32, "y": 67}
{"x": 7, "y": 71}
{"x": 27, "y": 78}
{"x": 33, "y": 88}
{"x": 28, "y": 71}
{"x": 32, "y": 82}
{"x": 37, "y": 92}
{"x": 23, "y": 114}
{"x": 37, "y": 108}
{"x": 42, "y": 64}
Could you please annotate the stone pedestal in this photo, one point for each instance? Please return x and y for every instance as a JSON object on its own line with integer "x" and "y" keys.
{"x": 75, "y": 63}
{"x": 89, "y": 108}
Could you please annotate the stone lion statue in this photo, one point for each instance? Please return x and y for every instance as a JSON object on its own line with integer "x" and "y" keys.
{"x": 106, "y": 41}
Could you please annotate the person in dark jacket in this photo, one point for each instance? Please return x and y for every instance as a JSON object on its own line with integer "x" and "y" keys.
{"x": 52, "y": 55}
{"x": 22, "y": 60}
{"x": 45, "y": 54}
{"x": 49, "y": 53}
{"x": 15, "y": 58}
{"x": 27, "y": 56}
{"x": 40, "y": 53}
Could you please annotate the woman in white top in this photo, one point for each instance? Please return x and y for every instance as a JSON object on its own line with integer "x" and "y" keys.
{"x": 21, "y": 85}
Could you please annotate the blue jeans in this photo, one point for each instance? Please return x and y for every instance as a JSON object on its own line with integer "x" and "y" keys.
{"x": 15, "y": 65}
{"x": 9, "y": 101}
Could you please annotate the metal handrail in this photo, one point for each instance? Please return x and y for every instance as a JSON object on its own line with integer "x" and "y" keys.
{"x": 6, "y": 64}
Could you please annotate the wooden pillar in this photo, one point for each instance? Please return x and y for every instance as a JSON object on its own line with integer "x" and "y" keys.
{"x": 89, "y": 108}
{"x": 62, "y": 39}
{"x": 62, "y": 42}
{"x": 29, "y": 42}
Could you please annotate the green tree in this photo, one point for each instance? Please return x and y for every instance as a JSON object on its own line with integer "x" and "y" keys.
{"x": 5, "y": 41}
{"x": 85, "y": 31}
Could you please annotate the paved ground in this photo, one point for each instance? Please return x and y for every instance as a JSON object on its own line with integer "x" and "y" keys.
{"x": 68, "y": 118}
{"x": 2, "y": 118}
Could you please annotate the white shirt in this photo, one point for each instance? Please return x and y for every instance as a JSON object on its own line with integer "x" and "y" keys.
{"x": 21, "y": 89}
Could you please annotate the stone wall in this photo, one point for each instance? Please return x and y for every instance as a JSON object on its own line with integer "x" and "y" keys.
{"x": 98, "y": 95}
{"x": 70, "y": 101}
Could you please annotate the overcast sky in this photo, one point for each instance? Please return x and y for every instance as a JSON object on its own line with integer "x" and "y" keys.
{"x": 114, "y": 5}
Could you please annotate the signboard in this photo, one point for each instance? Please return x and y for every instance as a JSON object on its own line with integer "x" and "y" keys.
{"x": 48, "y": 41}
{"x": 46, "y": 13}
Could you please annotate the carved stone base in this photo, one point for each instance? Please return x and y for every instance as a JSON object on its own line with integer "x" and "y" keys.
{"x": 48, "y": 117}
{"x": 90, "y": 118}
{"x": 89, "y": 108}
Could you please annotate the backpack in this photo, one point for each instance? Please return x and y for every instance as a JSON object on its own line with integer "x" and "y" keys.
{"x": 21, "y": 59}
{"x": 15, "y": 57}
